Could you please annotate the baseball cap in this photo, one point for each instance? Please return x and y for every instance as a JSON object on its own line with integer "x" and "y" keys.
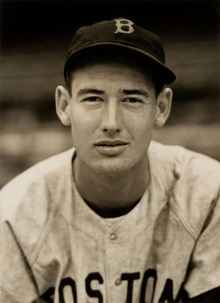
{"x": 124, "y": 34}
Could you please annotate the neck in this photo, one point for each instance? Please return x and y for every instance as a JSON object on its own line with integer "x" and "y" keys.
{"x": 111, "y": 196}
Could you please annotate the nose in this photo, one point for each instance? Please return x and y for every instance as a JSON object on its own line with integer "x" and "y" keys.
{"x": 111, "y": 117}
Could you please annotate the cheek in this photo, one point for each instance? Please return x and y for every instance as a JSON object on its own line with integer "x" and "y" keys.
{"x": 143, "y": 125}
{"x": 83, "y": 125}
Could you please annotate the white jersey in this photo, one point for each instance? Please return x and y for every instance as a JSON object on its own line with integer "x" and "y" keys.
{"x": 56, "y": 249}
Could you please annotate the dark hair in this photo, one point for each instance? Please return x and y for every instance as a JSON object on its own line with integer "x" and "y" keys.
{"x": 111, "y": 54}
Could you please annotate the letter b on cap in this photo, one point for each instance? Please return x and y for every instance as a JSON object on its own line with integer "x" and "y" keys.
{"x": 124, "y": 26}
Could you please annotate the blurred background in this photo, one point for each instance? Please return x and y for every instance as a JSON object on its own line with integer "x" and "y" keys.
{"x": 35, "y": 36}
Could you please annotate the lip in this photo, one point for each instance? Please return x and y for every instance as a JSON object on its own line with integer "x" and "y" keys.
{"x": 110, "y": 143}
{"x": 111, "y": 147}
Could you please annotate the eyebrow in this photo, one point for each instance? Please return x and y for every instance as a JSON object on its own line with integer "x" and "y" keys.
{"x": 140, "y": 92}
{"x": 85, "y": 91}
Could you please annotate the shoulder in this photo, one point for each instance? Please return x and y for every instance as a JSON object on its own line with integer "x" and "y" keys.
{"x": 29, "y": 201}
{"x": 184, "y": 162}
{"x": 43, "y": 174}
{"x": 193, "y": 182}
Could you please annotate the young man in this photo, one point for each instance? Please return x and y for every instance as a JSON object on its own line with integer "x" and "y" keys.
{"x": 118, "y": 218}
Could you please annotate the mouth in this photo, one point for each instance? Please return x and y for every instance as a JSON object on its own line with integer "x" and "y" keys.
{"x": 109, "y": 143}
{"x": 111, "y": 148}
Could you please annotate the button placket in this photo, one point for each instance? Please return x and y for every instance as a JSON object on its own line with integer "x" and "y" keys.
{"x": 113, "y": 274}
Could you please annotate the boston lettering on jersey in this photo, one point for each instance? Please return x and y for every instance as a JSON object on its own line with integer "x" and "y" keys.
{"x": 166, "y": 296}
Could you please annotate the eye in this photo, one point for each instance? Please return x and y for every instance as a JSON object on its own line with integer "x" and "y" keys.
{"x": 132, "y": 100}
{"x": 93, "y": 99}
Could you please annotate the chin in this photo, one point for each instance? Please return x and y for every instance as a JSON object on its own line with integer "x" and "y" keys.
{"x": 113, "y": 167}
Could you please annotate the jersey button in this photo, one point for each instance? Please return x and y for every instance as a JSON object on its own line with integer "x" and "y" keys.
{"x": 117, "y": 282}
{"x": 113, "y": 236}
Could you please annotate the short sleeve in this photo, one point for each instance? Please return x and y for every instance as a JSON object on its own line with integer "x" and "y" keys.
{"x": 17, "y": 282}
{"x": 204, "y": 268}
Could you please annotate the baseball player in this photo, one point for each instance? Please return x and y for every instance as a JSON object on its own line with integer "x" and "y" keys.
{"x": 118, "y": 218}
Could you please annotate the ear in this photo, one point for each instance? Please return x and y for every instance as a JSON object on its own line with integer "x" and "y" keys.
{"x": 62, "y": 98}
{"x": 164, "y": 101}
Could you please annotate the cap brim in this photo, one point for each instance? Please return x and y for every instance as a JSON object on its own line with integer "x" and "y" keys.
{"x": 164, "y": 73}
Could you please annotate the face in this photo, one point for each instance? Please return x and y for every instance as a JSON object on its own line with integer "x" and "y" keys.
{"x": 112, "y": 111}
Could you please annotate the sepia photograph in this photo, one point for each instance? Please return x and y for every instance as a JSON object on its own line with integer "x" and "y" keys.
{"x": 110, "y": 150}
